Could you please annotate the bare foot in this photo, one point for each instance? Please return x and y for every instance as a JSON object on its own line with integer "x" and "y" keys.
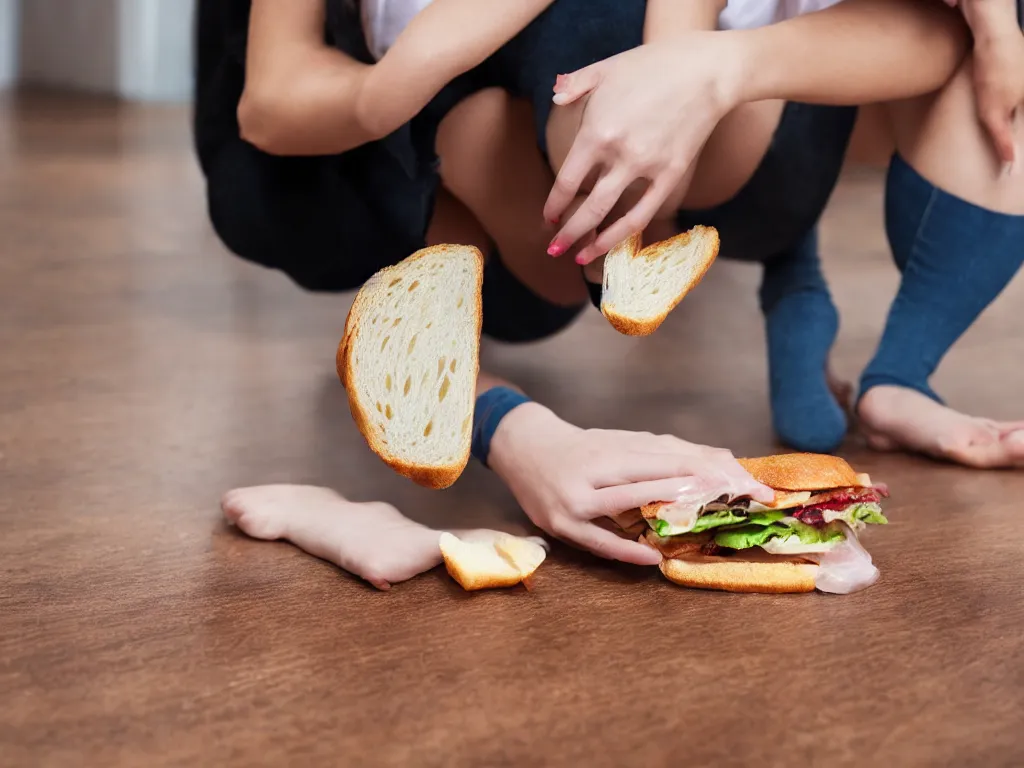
{"x": 896, "y": 418}
{"x": 372, "y": 540}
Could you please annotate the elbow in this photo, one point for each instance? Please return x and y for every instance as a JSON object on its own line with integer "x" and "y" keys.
{"x": 260, "y": 121}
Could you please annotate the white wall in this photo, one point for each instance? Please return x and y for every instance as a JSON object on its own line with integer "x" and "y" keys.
{"x": 155, "y": 62}
{"x": 70, "y": 44}
{"x": 137, "y": 49}
{"x": 8, "y": 42}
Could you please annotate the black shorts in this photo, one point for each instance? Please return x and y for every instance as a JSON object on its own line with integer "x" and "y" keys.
{"x": 331, "y": 222}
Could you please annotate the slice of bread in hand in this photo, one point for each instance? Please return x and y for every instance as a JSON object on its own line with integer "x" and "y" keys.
{"x": 503, "y": 562}
{"x": 642, "y": 286}
{"x": 409, "y": 361}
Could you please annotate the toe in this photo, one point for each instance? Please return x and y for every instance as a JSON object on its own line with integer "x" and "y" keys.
{"x": 1014, "y": 445}
{"x": 230, "y": 506}
{"x": 882, "y": 443}
{"x": 983, "y": 449}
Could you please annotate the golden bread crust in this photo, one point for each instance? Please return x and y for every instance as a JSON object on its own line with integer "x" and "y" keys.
{"x": 436, "y": 477}
{"x": 632, "y": 327}
{"x": 802, "y": 472}
{"x": 734, "y": 574}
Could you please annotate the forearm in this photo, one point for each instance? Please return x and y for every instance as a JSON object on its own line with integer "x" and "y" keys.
{"x": 857, "y": 52}
{"x": 305, "y": 98}
{"x": 990, "y": 20}
{"x": 487, "y": 381}
{"x": 445, "y": 40}
{"x": 667, "y": 18}
{"x": 518, "y": 432}
{"x": 450, "y": 37}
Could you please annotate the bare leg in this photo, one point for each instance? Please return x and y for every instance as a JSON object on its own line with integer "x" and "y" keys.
{"x": 490, "y": 162}
{"x": 930, "y": 131}
{"x": 371, "y": 540}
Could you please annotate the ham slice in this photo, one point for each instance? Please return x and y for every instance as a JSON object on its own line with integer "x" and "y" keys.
{"x": 846, "y": 568}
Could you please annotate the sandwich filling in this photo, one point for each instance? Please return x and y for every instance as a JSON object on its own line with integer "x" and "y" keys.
{"x": 818, "y": 527}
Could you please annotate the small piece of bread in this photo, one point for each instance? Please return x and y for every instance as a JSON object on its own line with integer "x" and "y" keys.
{"x": 409, "y": 361}
{"x": 641, "y": 287}
{"x": 802, "y": 472}
{"x": 505, "y": 562}
{"x": 736, "y": 574}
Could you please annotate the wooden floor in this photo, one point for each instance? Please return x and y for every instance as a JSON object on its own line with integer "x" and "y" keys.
{"x": 143, "y": 371}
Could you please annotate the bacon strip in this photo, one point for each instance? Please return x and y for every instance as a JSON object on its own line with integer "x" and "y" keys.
{"x": 840, "y": 498}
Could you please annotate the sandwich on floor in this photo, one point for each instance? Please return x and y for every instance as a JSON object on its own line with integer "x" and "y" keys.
{"x": 805, "y": 539}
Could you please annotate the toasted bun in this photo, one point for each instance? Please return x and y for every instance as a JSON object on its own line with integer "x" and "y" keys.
{"x": 409, "y": 361}
{"x": 741, "y": 573}
{"x": 802, "y": 472}
{"x": 641, "y": 287}
{"x": 503, "y": 562}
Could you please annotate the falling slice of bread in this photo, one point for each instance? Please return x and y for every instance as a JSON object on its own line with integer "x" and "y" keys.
{"x": 503, "y": 562}
{"x": 409, "y": 361}
{"x": 642, "y": 286}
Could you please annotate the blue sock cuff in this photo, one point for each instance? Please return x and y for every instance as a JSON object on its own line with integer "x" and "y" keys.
{"x": 871, "y": 380}
{"x": 491, "y": 407}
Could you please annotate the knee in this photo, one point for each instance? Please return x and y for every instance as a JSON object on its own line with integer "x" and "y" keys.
{"x": 546, "y": 320}
{"x": 250, "y": 234}
{"x": 514, "y": 313}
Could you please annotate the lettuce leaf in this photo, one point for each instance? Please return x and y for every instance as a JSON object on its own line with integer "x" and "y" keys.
{"x": 767, "y": 518}
{"x": 747, "y": 536}
{"x": 869, "y": 514}
{"x": 661, "y": 527}
{"x": 716, "y": 519}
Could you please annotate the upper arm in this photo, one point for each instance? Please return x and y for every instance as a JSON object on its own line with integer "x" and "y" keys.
{"x": 300, "y": 94}
{"x": 284, "y": 35}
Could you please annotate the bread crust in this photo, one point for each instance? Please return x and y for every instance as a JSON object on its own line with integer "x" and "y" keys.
{"x": 629, "y": 326}
{"x": 436, "y": 477}
{"x": 735, "y": 574}
{"x": 802, "y": 472}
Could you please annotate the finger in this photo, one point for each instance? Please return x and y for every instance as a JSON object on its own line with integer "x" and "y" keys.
{"x": 588, "y": 217}
{"x": 571, "y": 87}
{"x": 611, "y": 547}
{"x": 582, "y": 158}
{"x": 616, "y": 499}
{"x": 1000, "y": 126}
{"x": 638, "y": 217}
{"x": 639, "y": 467}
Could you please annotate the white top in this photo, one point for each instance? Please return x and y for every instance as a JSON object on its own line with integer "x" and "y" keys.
{"x": 750, "y": 14}
{"x": 384, "y": 20}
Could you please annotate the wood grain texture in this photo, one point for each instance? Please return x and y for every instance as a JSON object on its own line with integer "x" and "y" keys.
{"x": 144, "y": 371}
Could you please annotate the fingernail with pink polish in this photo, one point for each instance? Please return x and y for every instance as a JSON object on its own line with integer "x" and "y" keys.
{"x": 560, "y": 82}
{"x": 556, "y": 248}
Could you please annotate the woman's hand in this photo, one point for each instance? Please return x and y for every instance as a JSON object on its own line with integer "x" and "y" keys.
{"x": 648, "y": 114}
{"x": 998, "y": 70}
{"x": 565, "y": 477}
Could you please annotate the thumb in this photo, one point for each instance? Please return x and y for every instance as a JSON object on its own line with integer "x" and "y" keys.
{"x": 574, "y": 86}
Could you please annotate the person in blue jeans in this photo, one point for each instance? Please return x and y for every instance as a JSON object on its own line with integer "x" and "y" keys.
{"x": 745, "y": 129}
